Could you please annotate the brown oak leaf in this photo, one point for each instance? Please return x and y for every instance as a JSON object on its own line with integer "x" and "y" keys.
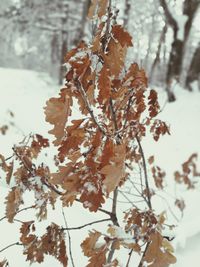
{"x": 57, "y": 112}
{"x": 159, "y": 252}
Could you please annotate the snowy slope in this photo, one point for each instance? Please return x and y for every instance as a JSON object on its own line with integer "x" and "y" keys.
{"x": 25, "y": 93}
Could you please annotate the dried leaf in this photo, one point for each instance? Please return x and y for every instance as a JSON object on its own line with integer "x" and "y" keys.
{"x": 151, "y": 160}
{"x": 92, "y": 8}
{"x": 88, "y": 245}
{"x": 115, "y": 171}
{"x": 8, "y": 169}
{"x": 75, "y": 50}
{"x": 57, "y": 112}
{"x": 104, "y": 85}
{"x": 92, "y": 199}
{"x": 159, "y": 128}
{"x": 153, "y": 104}
{"x": 159, "y": 252}
{"x": 158, "y": 176}
{"x": 13, "y": 201}
{"x": 180, "y": 203}
{"x": 98, "y": 259}
{"x": 114, "y": 58}
{"x": 122, "y": 36}
{"x": 52, "y": 243}
{"x": 102, "y": 8}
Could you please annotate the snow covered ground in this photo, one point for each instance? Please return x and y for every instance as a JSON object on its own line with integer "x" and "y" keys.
{"x": 25, "y": 93}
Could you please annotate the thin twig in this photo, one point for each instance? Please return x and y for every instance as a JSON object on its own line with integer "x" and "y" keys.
{"x": 11, "y": 245}
{"x": 31, "y": 171}
{"x": 31, "y": 207}
{"x": 85, "y": 225}
{"x": 169, "y": 207}
{"x": 145, "y": 173}
{"x": 129, "y": 257}
{"x": 85, "y": 99}
{"x": 69, "y": 239}
{"x": 143, "y": 255}
{"x": 130, "y": 202}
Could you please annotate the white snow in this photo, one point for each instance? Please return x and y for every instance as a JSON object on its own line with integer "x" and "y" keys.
{"x": 25, "y": 93}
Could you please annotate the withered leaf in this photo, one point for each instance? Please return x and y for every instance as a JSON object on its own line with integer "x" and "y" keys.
{"x": 159, "y": 252}
{"x": 92, "y": 8}
{"x": 104, "y": 85}
{"x": 13, "y": 201}
{"x": 114, "y": 58}
{"x": 122, "y": 36}
{"x": 102, "y": 8}
{"x": 98, "y": 259}
{"x": 151, "y": 160}
{"x": 115, "y": 171}
{"x": 57, "y": 112}
{"x": 88, "y": 245}
{"x": 153, "y": 103}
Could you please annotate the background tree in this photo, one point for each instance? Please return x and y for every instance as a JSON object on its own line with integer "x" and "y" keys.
{"x": 180, "y": 38}
{"x": 43, "y": 28}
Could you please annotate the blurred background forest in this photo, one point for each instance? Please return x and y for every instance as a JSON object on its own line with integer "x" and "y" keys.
{"x": 36, "y": 34}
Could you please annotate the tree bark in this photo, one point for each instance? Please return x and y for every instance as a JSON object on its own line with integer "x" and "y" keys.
{"x": 178, "y": 46}
{"x": 194, "y": 70}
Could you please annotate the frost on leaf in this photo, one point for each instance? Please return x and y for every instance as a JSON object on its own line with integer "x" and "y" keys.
{"x": 57, "y": 112}
{"x": 75, "y": 135}
{"x": 92, "y": 200}
{"x": 51, "y": 243}
{"x": 38, "y": 143}
{"x": 159, "y": 252}
{"x": 88, "y": 245}
{"x": 135, "y": 77}
{"x": 114, "y": 58}
{"x": 96, "y": 253}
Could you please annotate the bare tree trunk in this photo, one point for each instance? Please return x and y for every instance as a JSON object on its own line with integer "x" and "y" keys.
{"x": 81, "y": 30}
{"x": 157, "y": 58}
{"x": 127, "y": 13}
{"x": 64, "y": 36}
{"x": 178, "y": 46}
{"x": 194, "y": 70}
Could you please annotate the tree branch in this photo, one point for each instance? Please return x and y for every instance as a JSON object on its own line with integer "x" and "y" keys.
{"x": 171, "y": 21}
{"x": 129, "y": 257}
{"x": 143, "y": 255}
{"x": 27, "y": 208}
{"x": 69, "y": 239}
{"x": 85, "y": 225}
{"x": 145, "y": 173}
{"x": 11, "y": 245}
{"x": 85, "y": 99}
